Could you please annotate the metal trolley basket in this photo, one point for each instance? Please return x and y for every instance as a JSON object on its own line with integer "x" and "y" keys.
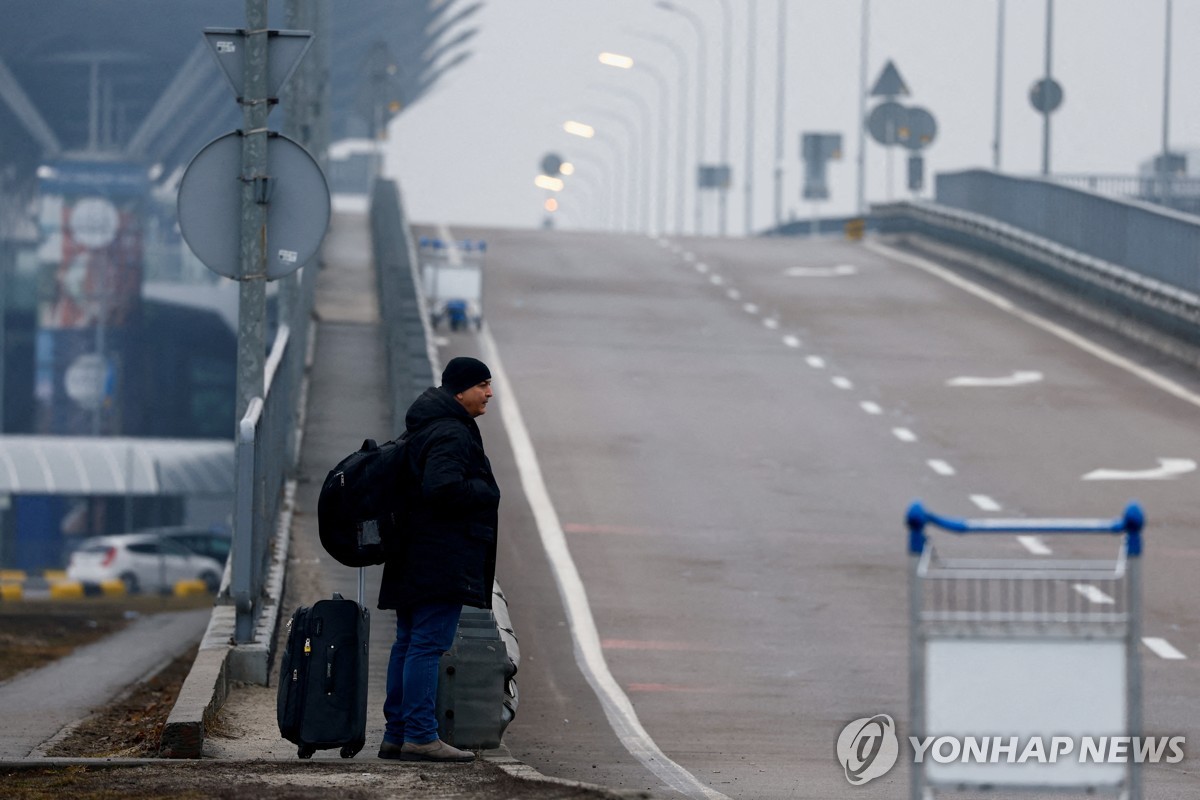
{"x": 1032, "y": 647}
{"x": 452, "y": 278}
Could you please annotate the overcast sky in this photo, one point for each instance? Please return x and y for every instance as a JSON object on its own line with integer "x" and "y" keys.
{"x": 469, "y": 152}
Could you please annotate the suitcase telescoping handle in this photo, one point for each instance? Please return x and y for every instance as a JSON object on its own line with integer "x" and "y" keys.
{"x": 362, "y": 587}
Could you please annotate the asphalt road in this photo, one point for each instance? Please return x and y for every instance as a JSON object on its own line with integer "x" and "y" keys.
{"x": 730, "y": 432}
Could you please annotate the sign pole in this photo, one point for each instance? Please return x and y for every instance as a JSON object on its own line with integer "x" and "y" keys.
{"x": 252, "y": 297}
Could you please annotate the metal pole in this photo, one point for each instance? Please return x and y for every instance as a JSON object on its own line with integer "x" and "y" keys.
{"x": 701, "y": 92}
{"x": 1166, "y": 123}
{"x": 780, "y": 97}
{"x": 751, "y": 51}
{"x": 6, "y": 253}
{"x": 681, "y": 155}
{"x": 999, "y": 84}
{"x": 862, "y": 109}
{"x": 663, "y": 103}
{"x": 1046, "y": 106}
{"x": 252, "y": 248}
{"x": 726, "y": 69}
{"x": 645, "y": 149}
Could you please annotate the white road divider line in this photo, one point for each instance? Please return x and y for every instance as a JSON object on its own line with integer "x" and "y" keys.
{"x": 716, "y": 280}
{"x": 842, "y": 383}
{"x": 816, "y": 362}
{"x": 1093, "y": 594}
{"x": 870, "y": 408}
{"x": 1103, "y": 353}
{"x": 1162, "y": 648}
{"x": 791, "y": 341}
{"x": 984, "y": 502}
{"x": 771, "y": 323}
{"x": 750, "y": 308}
{"x": 701, "y": 267}
{"x": 1034, "y": 545}
{"x": 589, "y": 654}
{"x": 734, "y": 294}
{"x": 940, "y": 467}
{"x": 689, "y": 257}
{"x": 904, "y": 434}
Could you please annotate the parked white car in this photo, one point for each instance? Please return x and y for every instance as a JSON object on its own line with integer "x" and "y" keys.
{"x": 144, "y": 562}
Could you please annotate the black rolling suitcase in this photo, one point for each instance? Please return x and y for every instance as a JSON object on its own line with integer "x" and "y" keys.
{"x": 322, "y": 700}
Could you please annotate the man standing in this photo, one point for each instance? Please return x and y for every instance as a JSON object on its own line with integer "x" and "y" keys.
{"x": 447, "y": 562}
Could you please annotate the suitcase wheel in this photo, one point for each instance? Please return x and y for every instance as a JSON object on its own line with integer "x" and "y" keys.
{"x": 305, "y": 751}
{"x": 351, "y": 750}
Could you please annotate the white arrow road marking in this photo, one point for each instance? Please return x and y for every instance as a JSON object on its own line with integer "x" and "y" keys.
{"x": 1167, "y": 469}
{"x": 1034, "y": 545}
{"x": 841, "y": 270}
{"x": 1162, "y": 648}
{"x": 1093, "y": 594}
{"x": 1016, "y": 379}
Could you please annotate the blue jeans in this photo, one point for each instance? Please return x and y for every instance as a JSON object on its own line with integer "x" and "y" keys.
{"x": 422, "y": 635}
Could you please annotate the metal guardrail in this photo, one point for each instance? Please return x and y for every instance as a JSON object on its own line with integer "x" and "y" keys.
{"x": 1173, "y": 191}
{"x": 1149, "y": 240}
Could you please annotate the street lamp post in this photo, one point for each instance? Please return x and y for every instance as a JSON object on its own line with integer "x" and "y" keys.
{"x": 1046, "y": 106}
{"x": 999, "y": 84}
{"x": 780, "y": 97}
{"x": 701, "y": 63}
{"x": 681, "y": 154}
{"x": 585, "y": 131}
{"x": 751, "y": 51}
{"x": 631, "y": 209}
{"x": 862, "y": 108}
{"x": 1166, "y": 121}
{"x": 646, "y": 120}
{"x": 635, "y": 66}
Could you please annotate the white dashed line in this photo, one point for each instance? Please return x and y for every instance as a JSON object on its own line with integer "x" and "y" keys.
{"x": 1093, "y": 594}
{"x": 870, "y": 408}
{"x": 984, "y": 502}
{"x": 1162, "y": 648}
{"x": 816, "y": 362}
{"x": 904, "y": 434}
{"x": 842, "y": 383}
{"x": 701, "y": 267}
{"x": 1034, "y": 545}
{"x": 771, "y": 323}
{"x": 716, "y": 280}
{"x": 734, "y": 294}
{"x": 689, "y": 257}
{"x": 791, "y": 341}
{"x": 750, "y": 308}
{"x": 940, "y": 467}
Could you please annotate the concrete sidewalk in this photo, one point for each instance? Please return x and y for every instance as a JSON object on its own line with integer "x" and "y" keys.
{"x": 40, "y": 705}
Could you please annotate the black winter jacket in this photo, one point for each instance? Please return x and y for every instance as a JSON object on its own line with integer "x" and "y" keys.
{"x": 450, "y": 554}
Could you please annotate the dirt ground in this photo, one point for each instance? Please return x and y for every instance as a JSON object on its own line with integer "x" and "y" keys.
{"x": 260, "y": 780}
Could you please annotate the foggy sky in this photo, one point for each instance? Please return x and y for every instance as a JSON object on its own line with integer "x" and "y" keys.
{"x": 469, "y": 152}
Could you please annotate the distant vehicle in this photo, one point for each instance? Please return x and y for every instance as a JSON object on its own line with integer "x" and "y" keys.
{"x": 202, "y": 541}
{"x": 144, "y": 562}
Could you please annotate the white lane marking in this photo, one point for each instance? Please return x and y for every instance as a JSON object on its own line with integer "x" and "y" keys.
{"x": 842, "y": 383}
{"x": 689, "y": 257}
{"x": 1034, "y": 545}
{"x": 1167, "y": 469}
{"x": 791, "y": 341}
{"x": 701, "y": 267}
{"x": 904, "y": 434}
{"x": 841, "y": 270}
{"x": 870, "y": 408}
{"x": 985, "y": 503}
{"x": 589, "y": 654}
{"x": 940, "y": 467}
{"x": 716, "y": 280}
{"x": 1019, "y": 378}
{"x": 734, "y": 294}
{"x": 750, "y": 308}
{"x": 1103, "y": 353}
{"x": 1162, "y": 648}
{"x": 771, "y": 323}
{"x": 816, "y": 362}
{"x": 1093, "y": 594}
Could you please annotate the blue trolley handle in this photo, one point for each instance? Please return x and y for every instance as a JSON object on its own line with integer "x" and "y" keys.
{"x": 1130, "y": 524}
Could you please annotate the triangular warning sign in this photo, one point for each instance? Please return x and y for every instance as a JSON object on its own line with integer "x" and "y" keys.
{"x": 284, "y": 51}
{"x": 889, "y": 83}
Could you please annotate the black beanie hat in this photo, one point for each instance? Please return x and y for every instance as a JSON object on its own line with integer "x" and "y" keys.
{"x": 464, "y": 372}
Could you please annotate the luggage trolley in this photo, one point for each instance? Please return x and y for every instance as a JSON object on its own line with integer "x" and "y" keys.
{"x": 452, "y": 277}
{"x": 1031, "y": 648}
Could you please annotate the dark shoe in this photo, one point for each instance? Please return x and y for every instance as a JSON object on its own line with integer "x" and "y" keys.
{"x": 389, "y": 750}
{"x": 437, "y": 750}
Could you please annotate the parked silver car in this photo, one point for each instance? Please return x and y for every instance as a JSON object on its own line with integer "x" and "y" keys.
{"x": 144, "y": 562}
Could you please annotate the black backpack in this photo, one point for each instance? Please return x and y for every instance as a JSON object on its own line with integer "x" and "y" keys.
{"x": 360, "y": 509}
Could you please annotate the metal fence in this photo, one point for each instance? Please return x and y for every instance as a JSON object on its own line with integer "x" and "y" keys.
{"x": 1152, "y": 241}
{"x": 267, "y": 453}
{"x": 1173, "y": 191}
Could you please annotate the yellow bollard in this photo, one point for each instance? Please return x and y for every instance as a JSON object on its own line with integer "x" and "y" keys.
{"x": 66, "y": 590}
{"x": 12, "y": 575}
{"x": 113, "y": 587}
{"x": 53, "y": 575}
{"x": 190, "y": 588}
{"x": 10, "y": 591}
